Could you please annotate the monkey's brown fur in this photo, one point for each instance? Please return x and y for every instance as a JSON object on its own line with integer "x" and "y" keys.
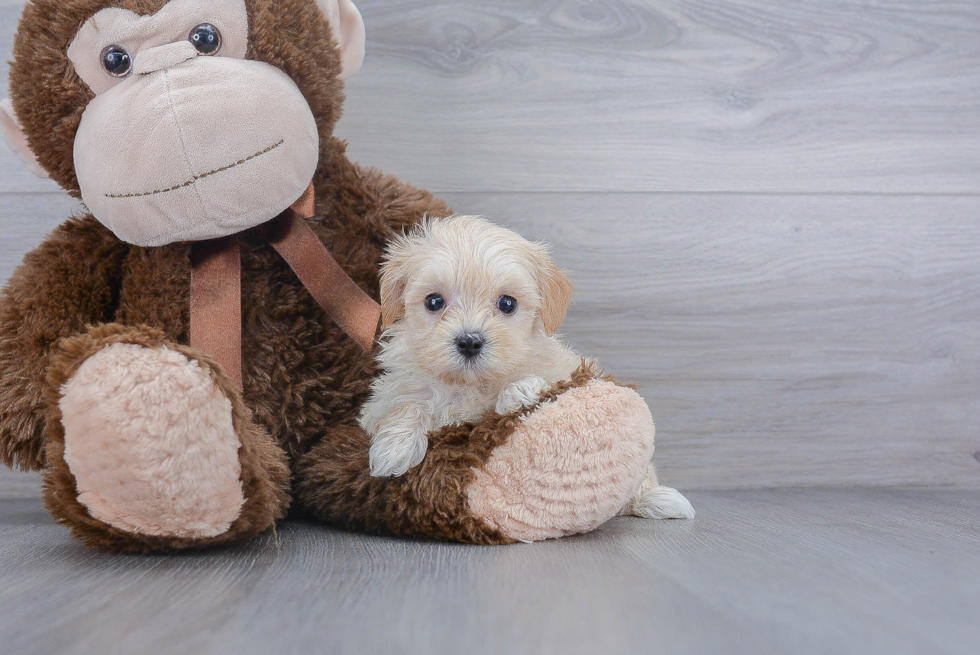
{"x": 304, "y": 379}
{"x": 333, "y": 484}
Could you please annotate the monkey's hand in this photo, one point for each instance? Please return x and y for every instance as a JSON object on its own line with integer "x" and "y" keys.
{"x": 523, "y": 393}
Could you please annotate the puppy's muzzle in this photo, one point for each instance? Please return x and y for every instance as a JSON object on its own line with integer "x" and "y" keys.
{"x": 469, "y": 344}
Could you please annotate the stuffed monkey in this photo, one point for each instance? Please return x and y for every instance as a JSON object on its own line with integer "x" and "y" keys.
{"x": 186, "y": 361}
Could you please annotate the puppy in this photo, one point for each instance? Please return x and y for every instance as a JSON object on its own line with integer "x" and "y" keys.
{"x": 470, "y": 310}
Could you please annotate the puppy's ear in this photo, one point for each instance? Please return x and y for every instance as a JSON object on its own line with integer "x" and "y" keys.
{"x": 394, "y": 278}
{"x": 392, "y": 303}
{"x": 555, "y": 289}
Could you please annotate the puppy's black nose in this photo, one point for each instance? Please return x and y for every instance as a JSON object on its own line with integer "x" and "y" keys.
{"x": 469, "y": 345}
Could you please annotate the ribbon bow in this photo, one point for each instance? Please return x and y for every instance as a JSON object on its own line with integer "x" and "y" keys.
{"x": 216, "y": 286}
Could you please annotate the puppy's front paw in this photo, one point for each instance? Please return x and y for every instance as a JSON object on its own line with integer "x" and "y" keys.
{"x": 523, "y": 393}
{"x": 393, "y": 453}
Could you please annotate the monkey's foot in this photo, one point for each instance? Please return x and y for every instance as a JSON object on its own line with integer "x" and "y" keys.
{"x": 153, "y": 444}
{"x": 569, "y": 466}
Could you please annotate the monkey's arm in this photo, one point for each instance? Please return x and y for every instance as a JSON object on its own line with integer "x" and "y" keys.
{"x": 392, "y": 205}
{"x": 66, "y": 283}
{"x": 561, "y": 467}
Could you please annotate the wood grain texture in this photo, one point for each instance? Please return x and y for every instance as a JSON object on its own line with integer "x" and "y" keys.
{"x": 658, "y": 95}
{"x": 780, "y": 340}
{"x": 25, "y": 218}
{"x": 15, "y": 484}
{"x": 788, "y": 571}
{"x": 665, "y": 95}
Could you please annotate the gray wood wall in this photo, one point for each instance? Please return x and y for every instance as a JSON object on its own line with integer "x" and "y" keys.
{"x": 770, "y": 209}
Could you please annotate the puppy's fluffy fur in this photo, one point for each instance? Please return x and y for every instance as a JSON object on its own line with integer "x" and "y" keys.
{"x": 455, "y": 359}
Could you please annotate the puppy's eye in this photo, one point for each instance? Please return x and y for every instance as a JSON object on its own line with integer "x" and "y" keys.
{"x": 507, "y": 304}
{"x": 116, "y": 61}
{"x": 434, "y": 302}
{"x": 206, "y": 38}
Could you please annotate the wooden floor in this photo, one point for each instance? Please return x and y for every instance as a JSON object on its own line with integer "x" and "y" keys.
{"x": 784, "y": 571}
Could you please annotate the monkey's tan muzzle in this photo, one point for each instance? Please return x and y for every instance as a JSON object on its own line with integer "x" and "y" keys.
{"x": 191, "y": 148}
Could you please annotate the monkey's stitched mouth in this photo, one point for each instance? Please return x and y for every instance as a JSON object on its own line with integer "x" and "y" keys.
{"x": 197, "y": 177}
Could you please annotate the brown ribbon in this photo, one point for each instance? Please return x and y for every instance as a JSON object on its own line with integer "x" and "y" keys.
{"x": 352, "y": 309}
{"x": 216, "y": 295}
{"x": 216, "y": 302}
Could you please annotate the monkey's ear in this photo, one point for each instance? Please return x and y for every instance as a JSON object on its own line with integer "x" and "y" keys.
{"x": 16, "y": 139}
{"x": 348, "y": 28}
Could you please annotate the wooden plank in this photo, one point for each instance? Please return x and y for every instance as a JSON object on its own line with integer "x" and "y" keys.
{"x": 786, "y": 339}
{"x": 24, "y": 220}
{"x": 666, "y": 95}
{"x": 879, "y": 571}
{"x": 15, "y": 484}
{"x": 659, "y": 95}
{"x": 780, "y": 340}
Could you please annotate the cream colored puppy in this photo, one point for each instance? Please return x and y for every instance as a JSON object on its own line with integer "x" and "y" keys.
{"x": 470, "y": 310}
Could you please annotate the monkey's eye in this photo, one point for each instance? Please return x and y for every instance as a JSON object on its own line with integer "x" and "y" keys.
{"x": 206, "y": 38}
{"x": 434, "y": 302}
{"x": 507, "y": 304}
{"x": 116, "y": 61}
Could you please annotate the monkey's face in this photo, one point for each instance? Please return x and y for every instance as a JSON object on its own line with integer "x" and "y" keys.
{"x": 186, "y": 139}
